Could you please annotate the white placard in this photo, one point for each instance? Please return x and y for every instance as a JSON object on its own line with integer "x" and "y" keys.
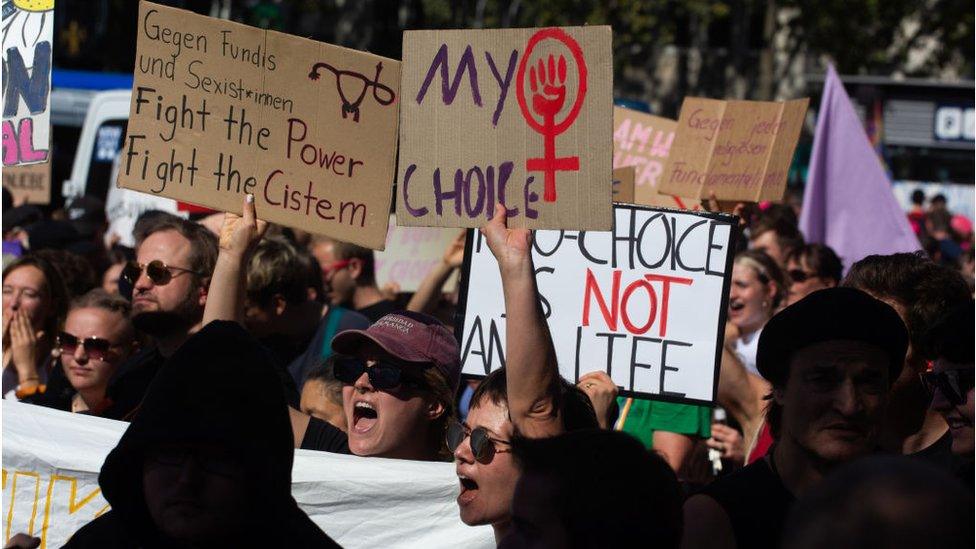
{"x": 646, "y": 303}
{"x": 411, "y": 253}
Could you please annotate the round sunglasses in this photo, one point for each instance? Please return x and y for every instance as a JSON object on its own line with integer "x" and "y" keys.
{"x": 96, "y": 348}
{"x": 158, "y": 272}
{"x": 482, "y": 445}
{"x": 953, "y": 384}
{"x": 382, "y": 375}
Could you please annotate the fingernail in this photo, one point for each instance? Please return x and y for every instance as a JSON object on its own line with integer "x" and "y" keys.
{"x": 249, "y": 198}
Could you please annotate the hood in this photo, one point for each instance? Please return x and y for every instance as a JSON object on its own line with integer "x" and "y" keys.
{"x": 220, "y": 386}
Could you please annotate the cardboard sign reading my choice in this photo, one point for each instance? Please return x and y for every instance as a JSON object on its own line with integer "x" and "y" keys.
{"x": 741, "y": 150}
{"x": 517, "y": 116}
{"x": 220, "y": 109}
{"x": 645, "y": 303}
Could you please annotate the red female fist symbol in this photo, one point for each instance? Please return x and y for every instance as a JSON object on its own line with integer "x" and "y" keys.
{"x": 547, "y": 80}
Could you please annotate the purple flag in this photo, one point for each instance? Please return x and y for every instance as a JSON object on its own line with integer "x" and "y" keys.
{"x": 848, "y": 203}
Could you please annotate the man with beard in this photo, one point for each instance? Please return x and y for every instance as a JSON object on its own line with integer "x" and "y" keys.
{"x": 831, "y": 359}
{"x": 168, "y": 281}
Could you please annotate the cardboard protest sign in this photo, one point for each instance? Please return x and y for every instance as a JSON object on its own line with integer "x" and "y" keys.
{"x": 740, "y": 149}
{"x": 411, "y": 253}
{"x": 645, "y": 303}
{"x": 220, "y": 109}
{"x": 517, "y": 116}
{"x": 623, "y": 184}
{"x": 28, "y": 29}
{"x": 29, "y": 184}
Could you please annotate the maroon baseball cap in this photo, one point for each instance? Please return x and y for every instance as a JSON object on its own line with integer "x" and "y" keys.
{"x": 408, "y": 337}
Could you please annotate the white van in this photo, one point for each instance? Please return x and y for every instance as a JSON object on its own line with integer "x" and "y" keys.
{"x": 96, "y": 166}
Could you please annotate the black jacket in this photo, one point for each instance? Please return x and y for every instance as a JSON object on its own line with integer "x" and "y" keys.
{"x": 219, "y": 387}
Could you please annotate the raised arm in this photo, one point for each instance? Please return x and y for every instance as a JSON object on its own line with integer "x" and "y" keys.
{"x": 430, "y": 288}
{"x": 238, "y": 237}
{"x": 532, "y": 374}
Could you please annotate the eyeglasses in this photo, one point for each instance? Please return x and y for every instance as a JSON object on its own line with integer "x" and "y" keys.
{"x": 95, "y": 347}
{"x": 158, "y": 272}
{"x": 211, "y": 460}
{"x": 482, "y": 445}
{"x": 382, "y": 375}
{"x": 797, "y": 275}
{"x": 953, "y": 384}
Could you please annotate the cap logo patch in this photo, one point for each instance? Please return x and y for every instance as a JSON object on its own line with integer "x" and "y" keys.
{"x": 396, "y": 322}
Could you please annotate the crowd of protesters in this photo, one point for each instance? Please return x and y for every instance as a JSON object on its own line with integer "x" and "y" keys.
{"x": 844, "y": 414}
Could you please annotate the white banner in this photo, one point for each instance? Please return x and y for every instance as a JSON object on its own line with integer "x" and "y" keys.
{"x": 645, "y": 303}
{"x": 51, "y": 461}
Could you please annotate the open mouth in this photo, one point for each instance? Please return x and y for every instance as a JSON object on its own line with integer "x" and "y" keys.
{"x": 364, "y": 416}
{"x": 469, "y": 490}
{"x": 736, "y": 306}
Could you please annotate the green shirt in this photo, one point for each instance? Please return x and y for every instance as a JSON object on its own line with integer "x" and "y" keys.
{"x": 646, "y": 416}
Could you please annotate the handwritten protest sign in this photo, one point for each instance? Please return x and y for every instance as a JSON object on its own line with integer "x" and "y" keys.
{"x": 220, "y": 109}
{"x": 646, "y": 303}
{"x": 29, "y": 184}
{"x": 517, "y": 116}
{"x": 411, "y": 252}
{"x": 28, "y": 28}
{"x": 740, "y": 149}
{"x": 623, "y": 184}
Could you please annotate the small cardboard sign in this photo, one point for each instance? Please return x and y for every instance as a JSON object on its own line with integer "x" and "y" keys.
{"x": 411, "y": 253}
{"x": 221, "y": 109}
{"x": 28, "y": 31}
{"x": 623, "y": 184}
{"x": 741, "y": 150}
{"x": 29, "y": 184}
{"x": 517, "y": 116}
{"x": 645, "y": 303}
{"x": 644, "y": 141}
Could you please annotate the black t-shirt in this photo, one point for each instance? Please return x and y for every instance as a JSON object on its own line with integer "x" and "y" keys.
{"x": 938, "y": 454}
{"x": 756, "y": 502}
{"x": 378, "y": 310}
{"x": 131, "y": 382}
{"x": 325, "y": 437}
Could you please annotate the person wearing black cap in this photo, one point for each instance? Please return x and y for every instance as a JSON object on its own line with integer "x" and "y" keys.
{"x": 831, "y": 359}
{"x": 195, "y": 468}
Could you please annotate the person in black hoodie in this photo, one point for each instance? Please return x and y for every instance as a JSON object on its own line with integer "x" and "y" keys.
{"x": 200, "y": 467}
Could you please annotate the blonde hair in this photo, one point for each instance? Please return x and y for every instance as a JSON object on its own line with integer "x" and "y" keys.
{"x": 767, "y": 271}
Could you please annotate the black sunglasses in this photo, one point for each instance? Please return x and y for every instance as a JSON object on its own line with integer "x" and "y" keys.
{"x": 95, "y": 347}
{"x": 482, "y": 445}
{"x": 797, "y": 275}
{"x": 158, "y": 272}
{"x": 382, "y": 375}
{"x": 953, "y": 384}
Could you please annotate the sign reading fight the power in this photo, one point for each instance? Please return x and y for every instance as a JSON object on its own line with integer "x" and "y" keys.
{"x": 220, "y": 109}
